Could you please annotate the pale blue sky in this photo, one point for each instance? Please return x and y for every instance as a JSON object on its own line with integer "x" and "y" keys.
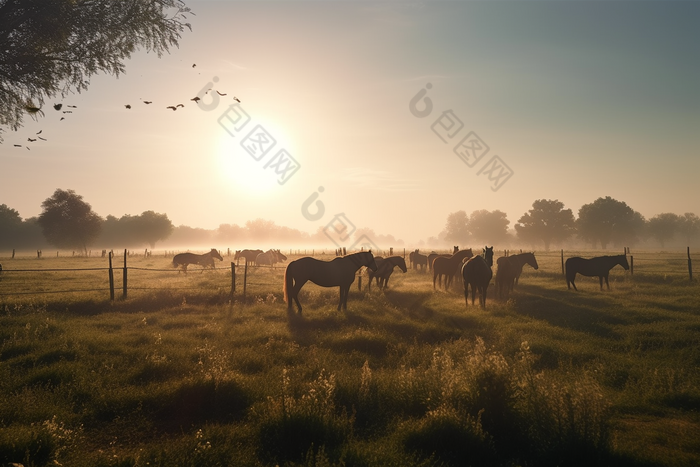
{"x": 579, "y": 99}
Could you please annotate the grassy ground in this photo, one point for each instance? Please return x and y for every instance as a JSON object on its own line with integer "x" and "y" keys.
{"x": 178, "y": 375}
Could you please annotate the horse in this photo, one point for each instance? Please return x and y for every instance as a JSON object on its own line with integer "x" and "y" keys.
{"x": 431, "y": 259}
{"x": 248, "y": 255}
{"x": 477, "y": 273}
{"x": 416, "y": 259}
{"x": 509, "y": 270}
{"x": 337, "y": 272}
{"x": 599, "y": 266}
{"x": 206, "y": 260}
{"x": 270, "y": 257}
{"x": 385, "y": 268}
{"x": 448, "y": 266}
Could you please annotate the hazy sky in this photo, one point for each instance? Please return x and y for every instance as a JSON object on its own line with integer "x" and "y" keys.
{"x": 577, "y": 100}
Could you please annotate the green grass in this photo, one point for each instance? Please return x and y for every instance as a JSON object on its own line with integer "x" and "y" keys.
{"x": 178, "y": 375}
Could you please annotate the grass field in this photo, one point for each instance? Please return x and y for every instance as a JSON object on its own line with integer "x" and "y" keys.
{"x": 177, "y": 375}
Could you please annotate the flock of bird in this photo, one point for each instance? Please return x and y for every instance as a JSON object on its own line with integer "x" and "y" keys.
{"x": 33, "y": 111}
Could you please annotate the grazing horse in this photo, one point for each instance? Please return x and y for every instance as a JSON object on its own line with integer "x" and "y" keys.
{"x": 248, "y": 255}
{"x": 206, "y": 260}
{"x": 337, "y": 272}
{"x": 416, "y": 259}
{"x": 509, "y": 270}
{"x": 449, "y": 266}
{"x": 477, "y": 273}
{"x": 270, "y": 257}
{"x": 385, "y": 268}
{"x": 599, "y": 266}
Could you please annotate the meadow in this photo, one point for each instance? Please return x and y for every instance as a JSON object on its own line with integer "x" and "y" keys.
{"x": 178, "y": 374}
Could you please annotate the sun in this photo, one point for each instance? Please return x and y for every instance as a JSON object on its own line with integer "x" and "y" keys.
{"x": 247, "y": 159}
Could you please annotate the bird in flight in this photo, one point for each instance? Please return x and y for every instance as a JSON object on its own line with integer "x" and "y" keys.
{"x": 171, "y": 107}
{"x": 220, "y": 93}
{"x": 73, "y": 106}
{"x": 43, "y": 139}
{"x": 194, "y": 65}
{"x": 128, "y": 106}
{"x": 180, "y": 105}
{"x": 196, "y": 99}
{"x": 236, "y": 99}
{"x": 18, "y": 145}
{"x": 39, "y": 132}
{"x": 57, "y": 106}
{"x": 31, "y": 140}
{"x": 147, "y": 102}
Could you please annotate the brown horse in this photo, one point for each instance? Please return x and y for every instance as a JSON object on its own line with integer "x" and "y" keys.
{"x": 477, "y": 273}
{"x": 337, "y": 272}
{"x": 385, "y": 268}
{"x": 416, "y": 259}
{"x": 509, "y": 270}
{"x": 270, "y": 257}
{"x": 599, "y": 266}
{"x": 206, "y": 260}
{"x": 449, "y": 266}
{"x": 248, "y": 255}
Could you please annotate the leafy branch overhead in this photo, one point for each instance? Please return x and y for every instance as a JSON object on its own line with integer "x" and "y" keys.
{"x": 51, "y": 48}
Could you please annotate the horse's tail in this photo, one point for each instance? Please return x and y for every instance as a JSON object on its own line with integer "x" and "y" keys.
{"x": 288, "y": 284}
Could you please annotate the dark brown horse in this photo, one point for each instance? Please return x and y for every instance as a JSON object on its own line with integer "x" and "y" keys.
{"x": 477, "y": 273}
{"x": 509, "y": 270}
{"x": 206, "y": 260}
{"x": 248, "y": 255}
{"x": 449, "y": 266}
{"x": 270, "y": 257}
{"x": 416, "y": 259}
{"x": 385, "y": 268}
{"x": 337, "y": 272}
{"x": 599, "y": 266}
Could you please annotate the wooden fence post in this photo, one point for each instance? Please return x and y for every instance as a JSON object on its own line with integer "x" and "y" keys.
{"x": 233, "y": 280}
{"x": 631, "y": 265}
{"x": 111, "y": 279}
{"x": 245, "y": 278}
{"x": 124, "y": 282}
{"x": 13, "y": 253}
{"x": 690, "y": 266}
{"x": 562, "y": 263}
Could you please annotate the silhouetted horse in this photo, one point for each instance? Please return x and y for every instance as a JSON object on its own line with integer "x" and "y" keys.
{"x": 206, "y": 260}
{"x": 431, "y": 259}
{"x": 248, "y": 255}
{"x": 270, "y": 257}
{"x": 449, "y": 266}
{"x": 477, "y": 273}
{"x": 509, "y": 270}
{"x": 416, "y": 259}
{"x": 385, "y": 268}
{"x": 599, "y": 266}
{"x": 337, "y": 272}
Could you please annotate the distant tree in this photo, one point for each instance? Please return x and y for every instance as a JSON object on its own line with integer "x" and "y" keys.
{"x": 261, "y": 230}
{"x": 69, "y": 222}
{"x": 547, "y": 221}
{"x": 663, "y": 227}
{"x": 608, "y": 220}
{"x": 231, "y": 233}
{"x": 689, "y": 227}
{"x": 52, "y": 47}
{"x": 10, "y": 226}
{"x": 150, "y": 227}
{"x": 456, "y": 229}
{"x": 489, "y": 227}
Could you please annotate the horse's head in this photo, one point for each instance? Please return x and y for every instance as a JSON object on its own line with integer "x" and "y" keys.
{"x": 368, "y": 260}
{"x": 532, "y": 261}
{"x": 402, "y": 264}
{"x": 237, "y": 255}
{"x": 280, "y": 256}
{"x": 488, "y": 255}
{"x": 623, "y": 262}
{"x": 215, "y": 254}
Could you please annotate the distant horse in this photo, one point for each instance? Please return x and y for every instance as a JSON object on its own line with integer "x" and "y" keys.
{"x": 449, "y": 266}
{"x": 270, "y": 257}
{"x": 509, "y": 270}
{"x": 385, "y": 268}
{"x": 416, "y": 259}
{"x": 599, "y": 266}
{"x": 206, "y": 260}
{"x": 477, "y": 273}
{"x": 248, "y": 255}
{"x": 337, "y": 272}
{"x": 432, "y": 256}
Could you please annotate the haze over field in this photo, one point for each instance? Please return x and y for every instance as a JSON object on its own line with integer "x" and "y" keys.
{"x": 579, "y": 100}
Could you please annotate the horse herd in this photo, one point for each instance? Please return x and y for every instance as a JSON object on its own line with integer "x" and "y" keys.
{"x": 474, "y": 271}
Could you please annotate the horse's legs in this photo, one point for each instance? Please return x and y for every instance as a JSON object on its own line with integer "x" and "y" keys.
{"x": 294, "y": 294}
{"x": 606, "y": 282}
{"x": 466, "y": 294}
{"x": 600, "y": 278}
{"x": 473, "y": 293}
{"x": 486, "y": 287}
{"x": 343, "y": 302}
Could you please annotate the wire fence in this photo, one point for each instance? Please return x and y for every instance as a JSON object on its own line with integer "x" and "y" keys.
{"x": 242, "y": 281}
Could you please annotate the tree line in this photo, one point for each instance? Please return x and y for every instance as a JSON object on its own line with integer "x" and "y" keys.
{"x": 68, "y": 222}
{"x": 602, "y": 223}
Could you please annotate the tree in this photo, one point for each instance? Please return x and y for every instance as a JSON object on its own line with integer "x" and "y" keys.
{"x": 547, "y": 221}
{"x": 10, "y": 226}
{"x": 69, "y": 222}
{"x": 52, "y": 47}
{"x": 489, "y": 226}
{"x": 456, "y": 229}
{"x": 151, "y": 227}
{"x": 663, "y": 227}
{"x": 608, "y": 220}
